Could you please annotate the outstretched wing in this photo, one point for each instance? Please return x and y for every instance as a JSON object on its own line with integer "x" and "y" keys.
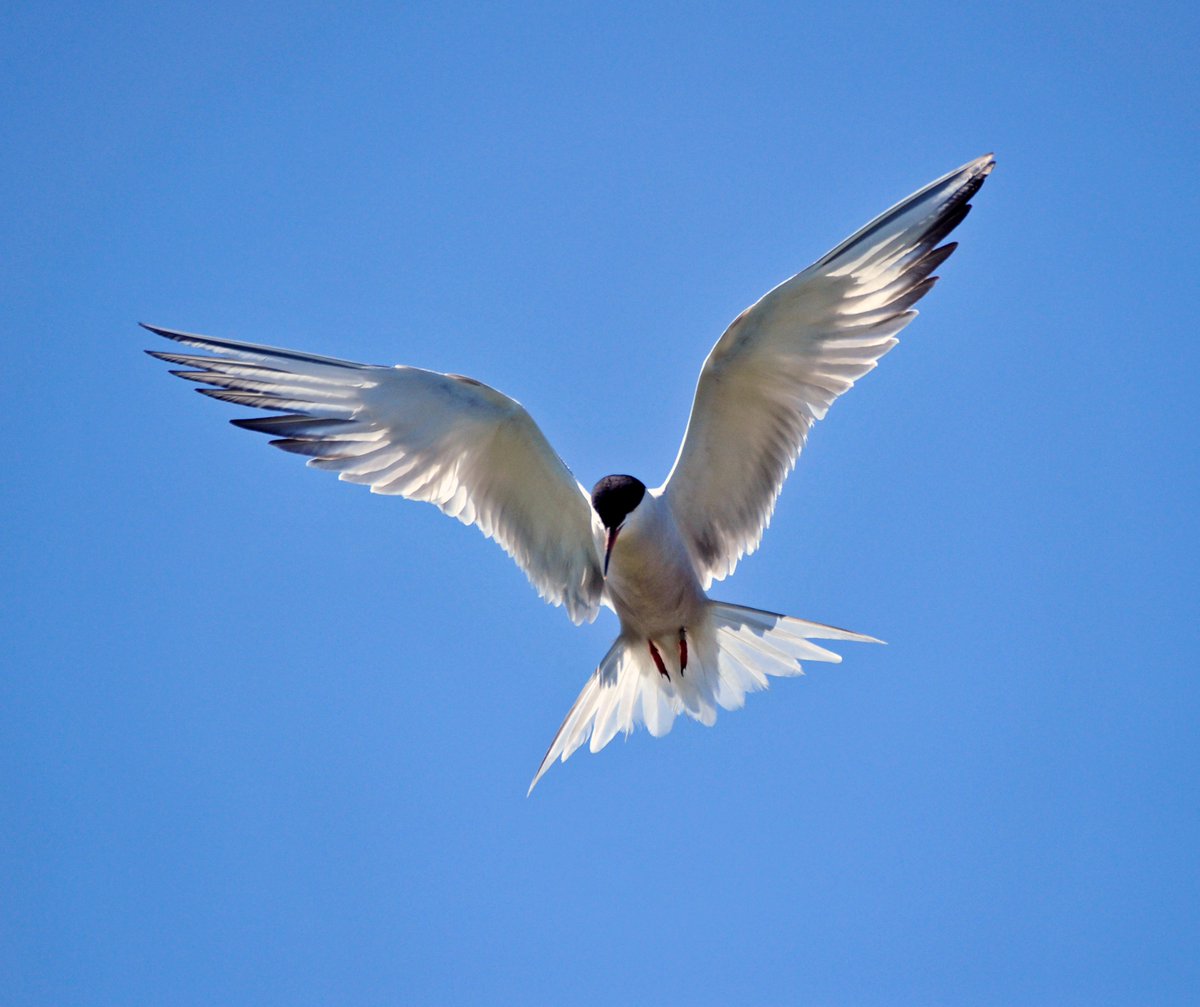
{"x": 442, "y": 438}
{"x": 783, "y": 361}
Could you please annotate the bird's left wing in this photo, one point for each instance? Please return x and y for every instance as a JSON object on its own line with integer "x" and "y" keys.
{"x": 783, "y": 361}
{"x": 442, "y": 438}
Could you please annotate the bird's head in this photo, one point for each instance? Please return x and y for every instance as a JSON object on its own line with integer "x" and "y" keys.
{"x": 614, "y": 498}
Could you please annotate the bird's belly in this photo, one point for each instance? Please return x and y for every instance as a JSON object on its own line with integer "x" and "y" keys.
{"x": 654, "y": 592}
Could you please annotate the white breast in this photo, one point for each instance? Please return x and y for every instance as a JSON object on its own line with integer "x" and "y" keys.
{"x": 652, "y": 582}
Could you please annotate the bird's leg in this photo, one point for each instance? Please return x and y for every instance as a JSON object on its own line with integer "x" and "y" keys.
{"x": 682, "y": 648}
{"x": 658, "y": 661}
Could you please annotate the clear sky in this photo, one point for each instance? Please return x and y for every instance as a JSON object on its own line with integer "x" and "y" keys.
{"x": 266, "y": 737}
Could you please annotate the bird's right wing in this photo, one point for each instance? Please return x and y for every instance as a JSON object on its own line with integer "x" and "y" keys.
{"x": 782, "y": 362}
{"x": 449, "y": 440}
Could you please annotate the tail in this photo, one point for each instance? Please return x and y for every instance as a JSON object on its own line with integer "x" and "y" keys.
{"x": 731, "y": 653}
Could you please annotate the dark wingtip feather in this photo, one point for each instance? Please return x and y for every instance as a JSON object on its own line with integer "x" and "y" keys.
{"x": 972, "y": 186}
{"x": 946, "y": 224}
{"x": 327, "y": 450}
{"x": 255, "y": 352}
{"x": 159, "y": 331}
{"x": 192, "y": 375}
{"x": 928, "y": 262}
{"x": 293, "y": 425}
{"x": 264, "y": 424}
{"x": 914, "y": 293}
{"x": 938, "y": 255}
{"x": 256, "y": 400}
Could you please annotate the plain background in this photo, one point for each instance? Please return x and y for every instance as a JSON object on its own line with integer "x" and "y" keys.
{"x": 266, "y": 737}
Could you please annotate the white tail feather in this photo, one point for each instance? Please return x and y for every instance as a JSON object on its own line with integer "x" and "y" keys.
{"x": 731, "y": 653}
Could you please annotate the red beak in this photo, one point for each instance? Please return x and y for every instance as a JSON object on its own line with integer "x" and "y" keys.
{"x": 608, "y": 547}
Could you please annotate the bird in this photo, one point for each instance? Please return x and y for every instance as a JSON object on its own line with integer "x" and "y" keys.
{"x": 650, "y": 555}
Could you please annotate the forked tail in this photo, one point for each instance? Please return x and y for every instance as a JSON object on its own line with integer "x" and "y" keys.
{"x": 731, "y": 653}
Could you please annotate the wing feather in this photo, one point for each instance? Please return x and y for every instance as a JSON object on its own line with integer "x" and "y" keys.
{"x": 783, "y": 361}
{"x": 448, "y": 440}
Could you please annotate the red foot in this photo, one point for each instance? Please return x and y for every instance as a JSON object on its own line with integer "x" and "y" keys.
{"x": 658, "y": 661}
{"x": 682, "y": 650}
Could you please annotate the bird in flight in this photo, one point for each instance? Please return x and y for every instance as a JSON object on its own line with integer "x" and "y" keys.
{"x": 650, "y": 555}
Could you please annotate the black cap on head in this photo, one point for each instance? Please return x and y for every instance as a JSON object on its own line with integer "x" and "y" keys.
{"x": 614, "y": 497}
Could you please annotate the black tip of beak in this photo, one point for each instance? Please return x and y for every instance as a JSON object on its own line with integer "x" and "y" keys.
{"x": 608, "y": 547}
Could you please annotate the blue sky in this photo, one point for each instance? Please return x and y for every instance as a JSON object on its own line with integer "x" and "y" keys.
{"x": 266, "y": 737}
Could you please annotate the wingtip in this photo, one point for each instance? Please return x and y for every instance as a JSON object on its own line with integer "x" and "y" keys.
{"x": 975, "y": 170}
{"x": 175, "y": 334}
{"x": 547, "y": 762}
